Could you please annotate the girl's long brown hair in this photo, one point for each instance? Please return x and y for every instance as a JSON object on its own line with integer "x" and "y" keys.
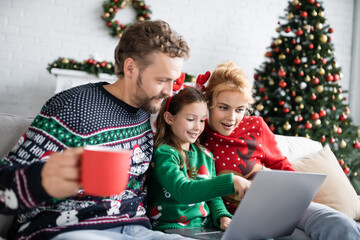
{"x": 164, "y": 134}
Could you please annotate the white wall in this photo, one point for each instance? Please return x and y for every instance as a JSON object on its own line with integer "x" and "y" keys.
{"x": 34, "y": 33}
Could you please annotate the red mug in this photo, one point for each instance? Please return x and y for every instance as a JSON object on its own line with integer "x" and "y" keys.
{"x": 104, "y": 170}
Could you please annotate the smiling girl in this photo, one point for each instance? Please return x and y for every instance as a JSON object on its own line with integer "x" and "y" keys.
{"x": 183, "y": 188}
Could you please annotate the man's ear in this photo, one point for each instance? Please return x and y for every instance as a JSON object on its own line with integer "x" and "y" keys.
{"x": 168, "y": 117}
{"x": 129, "y": 67}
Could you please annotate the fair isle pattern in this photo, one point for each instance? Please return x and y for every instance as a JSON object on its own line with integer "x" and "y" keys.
{"x": 66, "y": 137}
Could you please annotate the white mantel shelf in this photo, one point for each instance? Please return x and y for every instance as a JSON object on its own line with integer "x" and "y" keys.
{"x": 66, "y": 79}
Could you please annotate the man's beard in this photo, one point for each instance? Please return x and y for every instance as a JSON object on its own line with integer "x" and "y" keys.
{"x": 143, "y": 101}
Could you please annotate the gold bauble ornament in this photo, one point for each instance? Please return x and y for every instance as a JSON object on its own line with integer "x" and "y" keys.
{"x": 65, "y": 61}
{"x": 317, "y": 122}
{"x": 75, "y": 66}
{"x": 301, "y": 106}
{"x": 358, "y": 133}
{"x": 141, "y": 18}
{"x": 287, "y": 126}
{"x": 298, "y": 99}
{"x": 319, "y": 26}
{"x": 319, "y": 89}
{"x": 118, "y": 28}
{"x": 321, "y": 14}
{"x": 319, "y": 47}
{"x": 193, "y": 79}
{"x": 290, "y": 16}
{"x": 340, "y": 97}
{"x": 321, "y": 71}
{"x": 106, "y": 15}
{"x": 335, "y": 65}
{"x": 278, "y": 29}
{"x": 311, "y": 36}
{"x": 260, "y": 107}
{"x": 282, "y": 56}
{"x": 318, "y": 56}
{"x": 298, "y": 47}
{"x": 119, "y": 35}
{"x": 108, "y": 65}
{"x": 335, "y": 90}
{"x": 342, "y": 144}
{"x": 278, "y": 41}
{"x": 335, "y": 129}
{"x": 307, "y": 78}
{"x": 271, "y": 82}
{"x": 307, "y": 136}
{"x": 111, "y": 9}
{"x": 314, "y": 13}
{"x": 295, "y": 2}
{"x": 355, "y": 174}
{"x": 323, "y": 38}
{"x": 305, "y": 27}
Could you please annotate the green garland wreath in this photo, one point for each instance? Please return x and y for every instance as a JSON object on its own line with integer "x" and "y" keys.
{"x": 111, "y": 8}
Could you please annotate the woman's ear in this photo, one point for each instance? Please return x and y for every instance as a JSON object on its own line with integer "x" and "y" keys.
{"x": 168, "y": 117}
{"x": 129, "y": 67}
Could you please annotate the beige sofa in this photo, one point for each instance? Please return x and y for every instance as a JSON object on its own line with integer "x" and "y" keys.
{"x": 12, "y": 127}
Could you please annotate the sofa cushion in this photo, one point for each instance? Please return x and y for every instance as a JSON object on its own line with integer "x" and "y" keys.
{"x": 336, "y": 191}
{"x": 11, "y": 128}
{"x": 295, "y": 148}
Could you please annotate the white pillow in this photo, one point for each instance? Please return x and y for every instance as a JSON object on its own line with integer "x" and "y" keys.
{"x": 295, "y": 148}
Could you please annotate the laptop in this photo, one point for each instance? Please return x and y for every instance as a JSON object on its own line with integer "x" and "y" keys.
{"x": 271, "y": 207}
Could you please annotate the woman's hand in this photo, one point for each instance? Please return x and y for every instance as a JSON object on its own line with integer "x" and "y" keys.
{"x": 224, "y": 223}
{"x": 240, "y": 185}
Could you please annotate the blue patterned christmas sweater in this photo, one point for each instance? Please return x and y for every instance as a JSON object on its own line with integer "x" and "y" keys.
{"x": 84, "y": 115}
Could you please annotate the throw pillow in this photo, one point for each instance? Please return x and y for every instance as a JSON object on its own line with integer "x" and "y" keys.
{"x": 336, "y": 191}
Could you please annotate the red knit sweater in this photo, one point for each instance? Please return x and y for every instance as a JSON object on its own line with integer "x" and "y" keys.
{"x": 244, "y": 152}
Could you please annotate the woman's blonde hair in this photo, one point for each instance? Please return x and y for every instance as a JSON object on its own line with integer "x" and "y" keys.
{"x": 228, "y": 77}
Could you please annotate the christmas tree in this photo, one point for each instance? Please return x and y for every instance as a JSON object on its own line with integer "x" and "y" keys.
{"x": 298, "y": 90}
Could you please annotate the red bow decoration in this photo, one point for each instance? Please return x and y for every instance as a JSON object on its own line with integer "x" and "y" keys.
{"x": 179, "y": 82}
{"x": 201, "y": 80}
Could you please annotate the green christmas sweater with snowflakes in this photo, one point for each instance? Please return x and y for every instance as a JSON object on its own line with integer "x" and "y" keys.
{"x": 84, "y": 115}
{"x": 182, "y": 197}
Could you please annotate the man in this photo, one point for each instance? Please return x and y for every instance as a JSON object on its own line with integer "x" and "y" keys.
{"x": 41, "y": 175}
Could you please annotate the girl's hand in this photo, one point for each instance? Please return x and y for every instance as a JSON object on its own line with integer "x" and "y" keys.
{"x": 224, "y": 223}
{"x": 240, "y": 185}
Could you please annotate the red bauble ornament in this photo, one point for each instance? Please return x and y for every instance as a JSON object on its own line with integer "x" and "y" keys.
{"x": 303, "y": 14}
{"x": 266, "y": 98}
{"x": 297, "y": 7}
{"x": 333, "y": 108}
{"x": 315, "y": 80}
{"x": 322, "y": 139}
{"x": 313, "y": 62}
{"x": 281, "y": 103}
{"x": 311, "y": 1}
{"x": 342, "y": 117}
{"x": 346, "y": 170}
{"x": 336, "y": 77}
{"x": 268, "y": 54}
{"x": 267, "y": 119}
{"x": 287, "y": 50}
{"x": 311, "y": 46}
{"x": 293, "y": 41}
{"x": 293, "y": 93}
{"x": 318, "y": 4}
{"x": 272, "y": 128}
{"x": 286, "y": 110}
{"x": 332, "y": 140}
{"x": 299, "y": 32}
{"x": 315, "y": 116}
{"x": 339, "y": 130}
{"x": 297, "y": 61}
{"x": 329, "y": 78}
{"x": 276, "y": 50}
{"x": 282, "y": 83}
{"x": 322, "y": 113}
{"x": 300, "y": 118}
{"x": 308, "y": 125}
{"x": 281, "y": 73}
{"x": 341, "y": 162}
{"x": 313, "y": 97}
{"x": 255, "y": 76}
{"x": 90, "y": 61}
{"x": 331, "y": 30}
{"x": 287, "y": 29}
{"x": 340, "y": 90}
{"x": 356, "y": 145}
{"x": 262, "y": 89}
{"x": 301, "y": 73}
{"x": 323, "y": 61}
